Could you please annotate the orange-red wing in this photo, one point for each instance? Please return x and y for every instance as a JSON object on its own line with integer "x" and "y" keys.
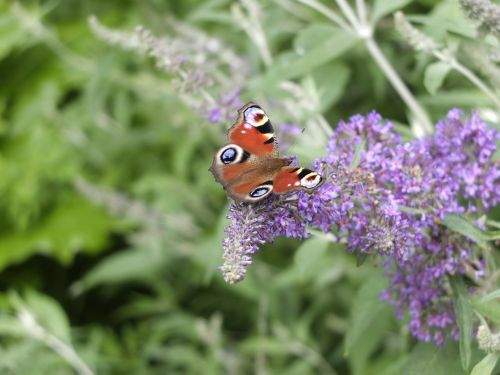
{"x": 253, "y": 132}
{"x": 294, "y": 178}
{"x": 286, "y": 180}
{"x": 251, "y": 187}
{"x": 252, "y": 180}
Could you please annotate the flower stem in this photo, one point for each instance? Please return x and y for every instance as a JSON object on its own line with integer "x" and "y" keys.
{"x": 364, "y": 30}
{"x": 327, "y": 129}
{"x": 424, "y": 125}
{"x": 316, "y": 5}
{"x": 476, "y": 81}
{"x": 65, "y": 351}
{"x": 361, "y": 9}
{"x": 349, "y": 13}
{"x": 250, "y": 23}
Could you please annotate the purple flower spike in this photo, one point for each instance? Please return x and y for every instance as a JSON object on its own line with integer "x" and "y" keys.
{"x": 388, "y": 199}
{"x": 252, "y": 225}
{"x": 225, "y": 107}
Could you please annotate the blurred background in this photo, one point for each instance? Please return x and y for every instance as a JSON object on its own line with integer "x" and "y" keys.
{"x": 111, "y": 224}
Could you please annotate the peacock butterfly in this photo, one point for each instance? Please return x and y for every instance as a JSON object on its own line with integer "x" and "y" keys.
{"x": 250, "y": 168}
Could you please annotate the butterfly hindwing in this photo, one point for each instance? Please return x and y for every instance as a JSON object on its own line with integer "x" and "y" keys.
{"x": 288, "y": 179}
{"x": 277, "y": 178}
{"x": 245, "y": 179}
{"x": 254, "y": 132}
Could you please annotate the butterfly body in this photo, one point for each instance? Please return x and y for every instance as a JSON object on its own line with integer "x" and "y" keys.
{"x": 250, "y": 167}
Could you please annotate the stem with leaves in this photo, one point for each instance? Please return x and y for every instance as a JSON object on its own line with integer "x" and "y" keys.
{"x": 36, "y": 331}
{"x": 250, "y": 23}
{"x": 421, "y": 42}
{"x": 359, "y": 24}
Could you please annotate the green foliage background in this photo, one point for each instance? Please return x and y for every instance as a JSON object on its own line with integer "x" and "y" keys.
{"x": 111, "y": 224}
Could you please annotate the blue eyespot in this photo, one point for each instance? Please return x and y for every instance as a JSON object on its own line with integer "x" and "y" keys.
{"x": 259, "y": 192}
{"x": 228, "y": 156}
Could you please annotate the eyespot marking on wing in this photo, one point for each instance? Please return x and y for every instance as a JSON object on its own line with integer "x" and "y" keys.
{"x": 261, "y": 191}
{"x": 310, "y": 180}
{"x": 255, "y": 116}
{"x": 253, "y": 132}
{"x": 231, "y": 154}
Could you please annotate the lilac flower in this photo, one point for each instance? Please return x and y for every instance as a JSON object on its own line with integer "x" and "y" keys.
{"x": 485, "y": 12}
{"x": 215, "y": 115}
{"x": 253, "y": 225}
{"x": 388, "y": 198}
{"x": 224, "y": 108}
{"x": 204, "y": 70}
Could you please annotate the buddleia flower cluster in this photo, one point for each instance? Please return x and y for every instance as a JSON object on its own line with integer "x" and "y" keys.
{"x": 388, "y": 198}
{"x": 206, "y": 73}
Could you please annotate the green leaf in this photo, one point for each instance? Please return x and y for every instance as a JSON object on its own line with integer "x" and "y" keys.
{"x": 488, "y": 306}
{"x": 434, "y": 76}
{"x": 310, "y": 256}
{"x": 121, "y": 267}
{"x": 330, "y": 80}
{"x": 28, "y": 181}
{"x": 12, "y": 32}
{"x": 486, "y": 365}
{"x": 448, "y": 17}
{"x": 493, "y": 223}
{"x": 427, "y": 359}
{"x": 457, "y": 97}
{"x": 310, "y": 36}
{"x": 185, "y": 356}
{"x": 368, "y": 323}
{"x": 496, "y": 155}
{"x": 315, "y": 46}
{"x": 490, "y": 310}
{"x": 74, "y": 225}
{"x": 361, "y": 258}
{"x": 459, "y": 224}
{"x": 268, "y": 345}
{"x": 11, "y": 327}
{"x": 382, "y": 8}
{"x": 48, "y": 313}
{"x": 464, "y": 314}
{"x": 493, "y": 236}
{"x": 490, "y": 297}
{"x": 387, "y": 364}
{"x": 211, "y": 250}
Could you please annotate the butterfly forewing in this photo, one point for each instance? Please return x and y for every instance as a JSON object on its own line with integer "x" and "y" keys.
{"x": 254, "y": 132}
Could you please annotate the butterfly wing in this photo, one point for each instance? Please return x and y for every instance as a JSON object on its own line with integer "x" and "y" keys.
{"x": 243, "y": 167}
{"x": 250, "y": 169}
{"x": 289, "y": 178}
{"x": 230, "y": 163}
{"x": 275, "y": 177}
{"x": 245, "y": 177}
{"x": 254, "y": 132}
{"x": 255, "y": 179}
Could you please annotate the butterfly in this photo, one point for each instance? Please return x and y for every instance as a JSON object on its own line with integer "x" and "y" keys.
{"x": 250, "y": 168}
